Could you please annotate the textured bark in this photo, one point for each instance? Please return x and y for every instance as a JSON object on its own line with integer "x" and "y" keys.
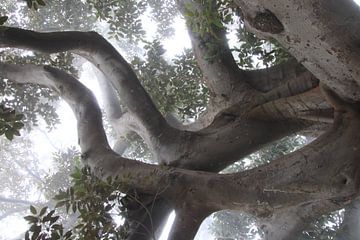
{"x": 249, "y": 109}
{"x": 323, "y": 35}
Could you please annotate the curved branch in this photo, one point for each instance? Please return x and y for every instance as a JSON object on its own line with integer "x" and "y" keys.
{"x": 270, "y": 78}
{"x": 310, "y": 105}
{"x": 103, "y": 55}
{"x": 323, "y": 36}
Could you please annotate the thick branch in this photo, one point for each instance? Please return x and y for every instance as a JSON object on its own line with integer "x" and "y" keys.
{"x": 97, "y": 50}
{"x": 310, "y": 105}
{"x": 226, "y": 82}
{"x": 267, "y": 79}
{"x": 322, "y": 35}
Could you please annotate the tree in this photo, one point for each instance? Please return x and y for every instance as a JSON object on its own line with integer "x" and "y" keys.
{"x": 247, "y": 109}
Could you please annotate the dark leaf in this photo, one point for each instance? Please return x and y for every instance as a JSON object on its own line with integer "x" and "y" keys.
{"x": 42, "y": 211}
{"x": 31, "y": 219}
{"x": 3, "y": 19}
{"x": 33, "y": 210}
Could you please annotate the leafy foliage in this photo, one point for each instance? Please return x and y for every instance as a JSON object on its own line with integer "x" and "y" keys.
{"x": 125, "y": 18}
{"x": 33, "y": 100}
{"x": 255, "y": 53}
{"x": 94, "y": 201}
{"x": 10, "y": 122}
{"x": 43, "y": 225}
{"x": 206, "y": 21}
{"x": 174, "y": 87}
{"x": 65, "y": 162}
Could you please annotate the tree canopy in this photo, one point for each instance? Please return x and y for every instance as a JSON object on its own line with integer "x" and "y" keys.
{"x": 257, "y": 124}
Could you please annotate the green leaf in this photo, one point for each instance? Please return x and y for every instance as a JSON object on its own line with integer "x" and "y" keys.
{"x": 43, "y": 211}
{"x": 48, "y": 216}
{"x": 33, "y": 209}
{"x": 36, "y": 231}
{"x": 54, "y": 219}
{"x": 31, "y": 219}
{"x": 68, "y": 234}
{"x": 74, "y": 208}
{"x": 18, "y": 125}
{"x": 3, "y": 19}
{"x": 9, "y": 135}
{"x": 27, "y": 236}
{"x": 16, "y": 133}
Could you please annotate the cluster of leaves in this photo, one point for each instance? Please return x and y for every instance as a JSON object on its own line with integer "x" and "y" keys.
{"x": 3, "y": 19}
{"x": 64, "y": 162}
{"x": 43, "y": 225}
{"x": 61, "y": 15}
{"x": 34, "y": 100}
{"x": 174, "y": 87}
{"x": 125, "y": 17}
{"x": 208, "y": 20}
{"x": 93, "y": 201}
{"x": 163, "y": 12}
{"x": 10, "y": 122}
{"x": 255, "y": 53}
